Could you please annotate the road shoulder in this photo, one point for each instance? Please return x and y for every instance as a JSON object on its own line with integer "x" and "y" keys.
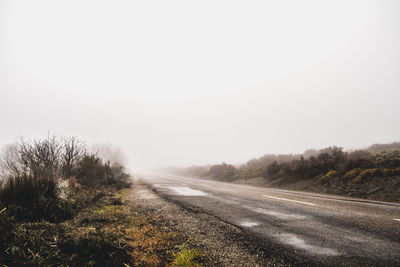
{"x": 221, "y": 244}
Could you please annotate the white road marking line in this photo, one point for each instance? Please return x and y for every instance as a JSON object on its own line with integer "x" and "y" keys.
{"x": 285, "y": 199}
{"x": 397, "y": 220}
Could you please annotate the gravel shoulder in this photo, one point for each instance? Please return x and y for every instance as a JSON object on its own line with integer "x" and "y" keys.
{"x": 220, "y": 243}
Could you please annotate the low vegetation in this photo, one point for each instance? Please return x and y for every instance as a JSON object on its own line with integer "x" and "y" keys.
{"x": 61, "y": 205}
{"x": 186, "y": 257}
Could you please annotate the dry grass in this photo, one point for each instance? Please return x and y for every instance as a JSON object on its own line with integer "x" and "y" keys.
{"x": 94, "y": 236}
{"x": 150, "y": 246}
{"x": 106, "y": 232}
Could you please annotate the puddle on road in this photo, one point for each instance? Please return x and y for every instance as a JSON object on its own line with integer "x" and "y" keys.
{"x": 186, "y": 191}
{"x": 278, "y": 215}
{"x": 299, "y": 243}
{"x": 248, "y": 224}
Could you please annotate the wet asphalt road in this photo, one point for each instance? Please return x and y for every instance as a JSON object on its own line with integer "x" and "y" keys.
{"x": 323, "y": 229}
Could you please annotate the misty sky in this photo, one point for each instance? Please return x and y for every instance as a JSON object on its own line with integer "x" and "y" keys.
{"x": 195, "y": 82}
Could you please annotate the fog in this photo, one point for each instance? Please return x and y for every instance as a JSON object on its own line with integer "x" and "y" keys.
{"x": 184, "y": 82}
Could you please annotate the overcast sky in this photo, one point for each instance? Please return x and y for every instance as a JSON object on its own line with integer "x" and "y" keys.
{"x": 195, "y": 82}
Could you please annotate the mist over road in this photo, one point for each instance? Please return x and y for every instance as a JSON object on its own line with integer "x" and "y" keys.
{"x": 323, "y": 229}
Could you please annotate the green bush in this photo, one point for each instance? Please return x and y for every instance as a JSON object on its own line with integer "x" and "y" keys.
{"x": 28, "y": 197}
{"x": 118, "y": 172}
{"x": 223, "y": 171}
{"x": 273, "y": 169}
{"x": 91, "y": 171}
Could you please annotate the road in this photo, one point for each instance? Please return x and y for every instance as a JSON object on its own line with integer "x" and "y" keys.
{"x": 325, "y": 229}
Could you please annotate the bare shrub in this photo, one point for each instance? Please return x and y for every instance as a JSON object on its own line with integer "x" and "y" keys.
{"x": 35, "y": 176}
{"x": 10, "y": 161}
{"x": 52, "y": 157}
{"x": 41, "y": 157}
{"x": 74, "y": 151}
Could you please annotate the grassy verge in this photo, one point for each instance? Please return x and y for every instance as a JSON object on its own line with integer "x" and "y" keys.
{"x": 62, "y": 205}
{"x": 104, "y": 231}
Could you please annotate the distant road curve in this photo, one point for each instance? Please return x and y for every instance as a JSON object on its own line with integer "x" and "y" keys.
{"x": 326, "y": 229}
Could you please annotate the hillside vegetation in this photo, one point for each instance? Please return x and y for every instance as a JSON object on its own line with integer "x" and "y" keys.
{"x": 372, "y": 173}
